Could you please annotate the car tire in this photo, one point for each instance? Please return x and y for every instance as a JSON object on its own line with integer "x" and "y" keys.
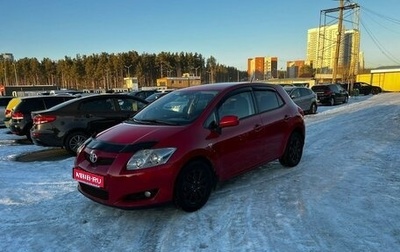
{"x": 74, "y": 140}
{"x": 313, "y": 108}
{"x": 193, "y": 186}
{"x": 27, "y": 132}
{"x": 332, "y": 101}
{"x": 346, "y": 99}
{"x": 294, "y": 150}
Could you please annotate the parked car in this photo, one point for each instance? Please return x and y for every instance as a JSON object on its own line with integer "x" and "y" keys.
{"x": 4, "y": 100}
{"x": 21, "y": 120}
{"x": 155, "y": 96}
{"x": 330, "y": 94}
{"x": 304, "y": 97}
{"x": 69, "y": 124}
{"x": 362, "y": 88}
{"x": 9, "y": 109}
{"x": 178, "y": 147}
{"x": 144, "y": 93}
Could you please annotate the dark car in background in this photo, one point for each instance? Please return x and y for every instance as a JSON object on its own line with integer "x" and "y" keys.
{"x": 155, "y": 96}
{"x": 361, "y": 88}
{"x": 178, "y": 147}
{"x": 143, "y": 94}
{"x": 69, "y": 124}
{"x": 304, "y": 97}
{"x": 21, "y": 120}
{"x": 4, "y": 100}
{"x": 331, "y": 94}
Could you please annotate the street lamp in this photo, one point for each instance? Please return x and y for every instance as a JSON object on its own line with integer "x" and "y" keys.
{"x": 128, "y": 67}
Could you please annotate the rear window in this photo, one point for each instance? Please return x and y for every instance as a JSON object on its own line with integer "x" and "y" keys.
{"x": 28, "y": 105}
{"x": 319, "y": 88}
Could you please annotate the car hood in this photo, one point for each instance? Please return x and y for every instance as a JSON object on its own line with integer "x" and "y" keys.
{"x": 126, "y": 133}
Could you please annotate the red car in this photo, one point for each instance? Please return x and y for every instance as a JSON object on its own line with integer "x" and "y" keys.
{"x": 177, "y": 148}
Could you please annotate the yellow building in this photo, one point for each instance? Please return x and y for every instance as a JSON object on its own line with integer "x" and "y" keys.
{"x": 178, "y": 82}
{"x": 386, "y": 78}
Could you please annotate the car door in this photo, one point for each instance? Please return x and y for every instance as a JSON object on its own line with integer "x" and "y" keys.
{"x": 298, "y": 98}
{"x": 99, "y": 113}
{"x": 237, "y": 147}
{"x": 273, "y": 120}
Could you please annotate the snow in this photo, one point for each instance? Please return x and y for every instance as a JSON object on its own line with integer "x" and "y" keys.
{"x": 343, "y": 196}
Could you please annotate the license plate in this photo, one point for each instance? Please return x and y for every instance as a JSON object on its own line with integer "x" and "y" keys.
{"x": 88, "y": 178}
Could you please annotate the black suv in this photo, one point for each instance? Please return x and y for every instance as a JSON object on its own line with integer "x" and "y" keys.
{"x": 69, "y": 124}
{"x": 330, "y": 94}
{"x": 21, "y": 120}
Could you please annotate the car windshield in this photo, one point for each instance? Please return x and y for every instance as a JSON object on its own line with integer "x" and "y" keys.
{"x": 176, "y": 108}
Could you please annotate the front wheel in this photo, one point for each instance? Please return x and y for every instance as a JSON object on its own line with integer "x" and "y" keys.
{"x": 193, "y": 186}
{"x": 74, "y": 140}
{"x": 294, "y": 150}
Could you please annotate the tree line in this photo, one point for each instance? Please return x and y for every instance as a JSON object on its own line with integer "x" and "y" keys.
{"x": 108, "y": 71}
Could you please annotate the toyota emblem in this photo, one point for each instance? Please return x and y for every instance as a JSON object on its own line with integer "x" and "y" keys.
{"x": 93, "y": 157}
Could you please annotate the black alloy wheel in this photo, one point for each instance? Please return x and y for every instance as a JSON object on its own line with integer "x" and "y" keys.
{"x": 193, "y": 186}
{"x": 294, "y": 150}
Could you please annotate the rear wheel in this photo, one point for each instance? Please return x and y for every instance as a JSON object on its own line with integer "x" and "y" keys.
{"x": 193, "y": 186}
{"x": 332, "y": 101}
{"x": 74, "y": 140}
{"x": 294, "y": 150}
{"x": 313, "y": 108}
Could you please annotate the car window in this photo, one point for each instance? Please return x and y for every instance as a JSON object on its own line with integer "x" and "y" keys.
{"x": 128, "y": 104}
{"x": 334, "y": 88}
{"x": 295, "y": 93}
{"x": 240, "y": 105}
{"x": 28, "y": 105}
{"x": 320, "y": 88}
{"x": 305, "y": 91}
{"x": 98, "y": 105}
{"x": 178, "y": 107}
{"x": 267, "y": 100}
{"x": 52, "y": 101}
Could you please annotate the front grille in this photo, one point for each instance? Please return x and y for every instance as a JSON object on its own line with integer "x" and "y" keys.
{"x": 100, "y": 160}
{"x": 94, "y": 191}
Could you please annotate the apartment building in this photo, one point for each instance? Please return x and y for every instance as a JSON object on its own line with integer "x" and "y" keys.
{"x": 322, "y": 45}
{"x": 262, "y": 68}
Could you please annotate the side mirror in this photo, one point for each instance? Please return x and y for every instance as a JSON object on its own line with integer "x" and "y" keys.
{"x": 228, "y": 121}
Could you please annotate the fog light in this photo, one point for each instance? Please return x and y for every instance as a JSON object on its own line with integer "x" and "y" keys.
{"x": 147, "y": 194}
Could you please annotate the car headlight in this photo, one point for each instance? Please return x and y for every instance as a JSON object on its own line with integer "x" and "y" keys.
{"x": 149, "y": 158}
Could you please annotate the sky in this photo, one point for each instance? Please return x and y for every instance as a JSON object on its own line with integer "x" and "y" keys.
{"x": 342, "y": 196}
{"x": 229, "y": 30}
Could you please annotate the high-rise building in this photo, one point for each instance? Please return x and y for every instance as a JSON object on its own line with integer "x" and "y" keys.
{"x": 322, "y": 45}
{"x": 262, "y": 68}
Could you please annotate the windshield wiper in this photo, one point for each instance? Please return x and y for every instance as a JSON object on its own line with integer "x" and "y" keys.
{"x": 153, "y": 121}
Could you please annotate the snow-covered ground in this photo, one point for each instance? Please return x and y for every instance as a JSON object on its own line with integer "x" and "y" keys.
{"x": 343, "y": 196}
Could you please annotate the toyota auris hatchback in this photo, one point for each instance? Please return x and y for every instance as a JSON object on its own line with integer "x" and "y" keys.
{"x": 177, "y": 148}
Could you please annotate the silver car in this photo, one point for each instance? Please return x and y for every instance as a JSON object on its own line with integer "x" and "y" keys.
{"x": 304, "y": 97}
